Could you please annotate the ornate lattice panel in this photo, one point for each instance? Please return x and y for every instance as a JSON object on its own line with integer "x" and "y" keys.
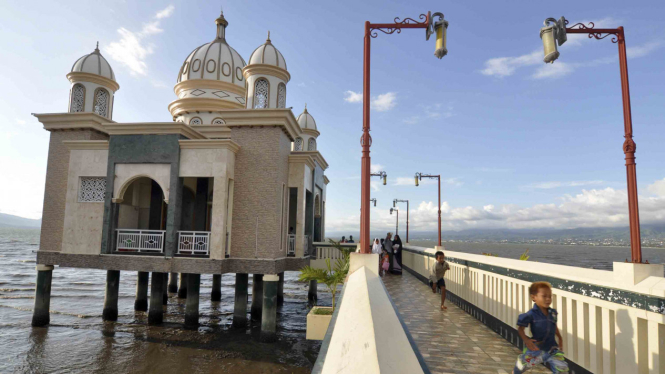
{"x": 195, "y": 121}
{"x": 281, "y": 96}
{"x": 261, "y": 94}
{"x": 78, "y": 98}
{"x": 297, "y": 144}
{"x": 102, "y": 103}
{"x": 218, "y": 121}
{"x": 311, "y": 144}
{"x": 92, "y": 189}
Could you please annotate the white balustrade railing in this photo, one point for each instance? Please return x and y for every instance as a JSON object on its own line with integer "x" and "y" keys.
{"x": 291, "y": 248}
{"x": 194, "y": 242}
{"x": 611, "y": 321}
{"x": 140, "y": 241}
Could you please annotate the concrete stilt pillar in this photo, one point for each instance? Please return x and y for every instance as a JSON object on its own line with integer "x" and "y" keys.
{"x": 110, "y": 312}
{"x": 216, "y": 294}
{"x": 192, "y": 306}
{"x": 280, "y": 289}
{"x": 141, "y": 301}
{"x": 40, "y": 315}
{"x": 269, "y": 313}
{"x": 240, "y": 304}
{"x": 173, "y": 283}
{"x": 182, "y": 291}
{"x": 257, "y": 297}
{"x": 311, "y": 295}
{"x": 165, "y": 297}
{"x": 157, "y": 288}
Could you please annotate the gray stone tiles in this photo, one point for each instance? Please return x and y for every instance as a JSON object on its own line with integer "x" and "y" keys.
{"x": 450, "y": 341}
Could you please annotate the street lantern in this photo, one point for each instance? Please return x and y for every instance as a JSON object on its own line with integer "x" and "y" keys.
{"x": 373, "y": 201}
{"x": 381, "y": 174}
{"x": 439, "y": 27}
{"x": 553, "y": 32}
{"x": 418, "y": 176}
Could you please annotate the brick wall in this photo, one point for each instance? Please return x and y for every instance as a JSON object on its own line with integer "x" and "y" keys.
{"x": 57, "y": 167}
{"x": 261, "y": 169}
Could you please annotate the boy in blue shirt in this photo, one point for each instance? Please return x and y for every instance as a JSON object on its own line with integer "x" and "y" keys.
{"x": 542, "y": 347}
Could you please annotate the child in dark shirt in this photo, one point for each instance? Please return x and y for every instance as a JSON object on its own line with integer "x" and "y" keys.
{"x": 542, "y": 347}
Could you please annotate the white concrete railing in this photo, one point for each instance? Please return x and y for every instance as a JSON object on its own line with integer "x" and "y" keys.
{"x": 327, "y": 251}
{"x": 291, "y": 249}
{"x": 140, "y": 241}
{"x": 193, "y": 243}
{"x": 366, "y": 333}
{"x": 611, "y": 321}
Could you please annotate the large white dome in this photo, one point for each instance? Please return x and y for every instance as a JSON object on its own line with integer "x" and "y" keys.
{"x": 267, "y": 54}
{"x": 94, "y": 63}
{"x": 216, "y": 60}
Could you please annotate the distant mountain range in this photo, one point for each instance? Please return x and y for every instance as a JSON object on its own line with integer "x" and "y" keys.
{"x": 648, "y": 232}
{"x": 8, "y": 220}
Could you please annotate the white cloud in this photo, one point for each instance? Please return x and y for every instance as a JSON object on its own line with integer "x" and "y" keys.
{"x": 556, "y": 70}
{"x": 384, "y": 102}
{"x": 410, "y": 181}
{"x": 606, "y": 207}
{"x": 20, "y": 121}
{"x": 381, "y": 103}
{"x": 557, "y": 184}
{"x": 165, "y": 13}
{"x": 353, "y": 97}
{"x": 431, "y": 112}
{"x": 375, "y": 168}
{"x": 505, "y": 66}
{"x": 131, "y": 50}
{"x": 643, "y": 50}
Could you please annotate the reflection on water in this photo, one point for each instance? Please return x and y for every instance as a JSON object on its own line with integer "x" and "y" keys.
{"x": 78, "y": 341}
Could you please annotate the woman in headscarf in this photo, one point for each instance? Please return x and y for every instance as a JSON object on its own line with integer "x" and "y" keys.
{"x": 397, "y": 245}
{"x": 376, "y": 248}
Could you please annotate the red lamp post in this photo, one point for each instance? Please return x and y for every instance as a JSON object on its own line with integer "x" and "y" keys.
{"x": 420, "y": 176}
{"x": 395, "y": 201}
{"x": 555, "y": 31}
{"x": 440, "y": 28}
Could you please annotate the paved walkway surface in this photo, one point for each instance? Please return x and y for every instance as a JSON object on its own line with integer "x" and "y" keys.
{"x": 450, "y": 341}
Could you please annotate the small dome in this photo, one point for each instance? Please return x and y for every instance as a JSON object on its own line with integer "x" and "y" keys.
{"x": 94, "y": 63}
{"x": 215, "y": 60}
{"x": 267, "y": 54}
{"x": 306, "y": 121}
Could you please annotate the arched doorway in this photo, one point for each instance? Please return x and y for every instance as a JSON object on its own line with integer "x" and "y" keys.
{"x": 141, "y": 217}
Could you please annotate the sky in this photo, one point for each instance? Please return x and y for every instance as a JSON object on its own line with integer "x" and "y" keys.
{"x": 518, "y": 143}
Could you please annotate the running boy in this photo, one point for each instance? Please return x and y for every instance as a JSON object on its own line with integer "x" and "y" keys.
{"x": 436, "y": 276}
{"x": 542, "y": 347}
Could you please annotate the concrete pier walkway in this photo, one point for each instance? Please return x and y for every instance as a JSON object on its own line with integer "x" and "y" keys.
{"x": 451, "y": 341}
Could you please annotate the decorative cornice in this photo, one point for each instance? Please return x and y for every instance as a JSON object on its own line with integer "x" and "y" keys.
{"x": 263, "y": 117}
{"x": 213, "y": 131}
{"x": 86, "y": 144}
{"x": 299, "y": 158}
{"x": 153, "y": 128}
{"x": 73, "y": 121}
{"x": 208, "y": 83}
{"x": 210, "y": 144}
{"x": 265, "y": 69}
{"x": 311, "y": 132}
{"x": 75, "y": 77}
{"x": 316, "y": 156}
{"x": 201, "y": 104}
{"x": 326, "y": 180}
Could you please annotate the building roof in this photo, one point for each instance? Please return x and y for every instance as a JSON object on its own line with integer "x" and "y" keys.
{"x": 94, "y": 63}
{"x": 267, "y": 54}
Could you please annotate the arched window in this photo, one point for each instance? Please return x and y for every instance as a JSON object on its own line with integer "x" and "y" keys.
{"x": 101, "y": 104}
{"x": 311, "y": 144}
{"x": 281, "y": 95}
{"x": 297, "y": 145}
{"x": 261, "y": 89}
{"x": 218, "y": 121}
{"x": 78, "y": 99}
{"x": 195, "y": 121}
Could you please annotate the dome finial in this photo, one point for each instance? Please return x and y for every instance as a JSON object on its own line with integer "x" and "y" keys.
{"x": 97, "y": 47}
{"x": 305, "y": 108}
{"x": 221, "y": 25}
{"x": 268, "y": 36}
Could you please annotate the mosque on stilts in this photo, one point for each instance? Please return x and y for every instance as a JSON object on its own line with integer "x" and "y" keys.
{"x": 234, "y": 184}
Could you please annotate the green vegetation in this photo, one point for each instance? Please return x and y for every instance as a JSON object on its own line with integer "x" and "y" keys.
{"x": 525, "y": 256}
{"x": 490, "y": 254}
{"x": 323, "y": 312}
{"x": 330, "y": 277}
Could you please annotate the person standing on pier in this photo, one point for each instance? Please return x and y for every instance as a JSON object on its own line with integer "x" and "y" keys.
{"x": 437, "y": 274}
{"x": 542, "y": 347}
{"x": 388, "y": 246}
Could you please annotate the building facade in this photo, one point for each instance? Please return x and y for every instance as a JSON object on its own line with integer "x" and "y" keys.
{"x": 234, "y": 184}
